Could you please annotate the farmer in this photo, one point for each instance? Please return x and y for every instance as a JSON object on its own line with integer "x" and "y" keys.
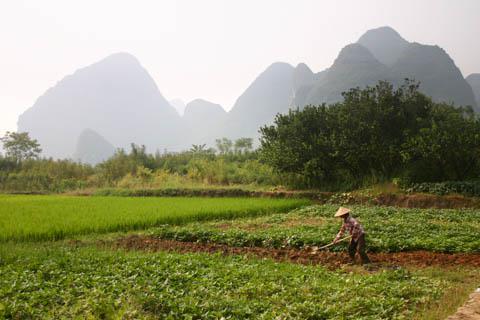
{"x": 357, "y": 243}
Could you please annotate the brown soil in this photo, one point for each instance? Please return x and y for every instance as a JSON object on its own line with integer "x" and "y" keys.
{"x": 470, "y": 310}
{"x": 426, "y": 201}
{"x": 302, "y": 256}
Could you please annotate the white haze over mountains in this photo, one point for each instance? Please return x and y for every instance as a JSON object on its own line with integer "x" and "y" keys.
{"x": 116, "y": 102}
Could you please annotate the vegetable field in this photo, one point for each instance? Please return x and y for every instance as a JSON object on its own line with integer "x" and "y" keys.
{"x": 55, "y": 217}
{"x": 67, "y": 283}
{"x": 388, "y": 229}
{"x": 64, "y": 257}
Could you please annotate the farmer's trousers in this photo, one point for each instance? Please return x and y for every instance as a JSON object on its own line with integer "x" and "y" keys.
{"x": 359, "y": 246}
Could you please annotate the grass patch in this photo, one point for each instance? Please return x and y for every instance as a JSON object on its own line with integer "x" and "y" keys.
{"x": 56, "y": 217}
{"x": 463, "y": 283}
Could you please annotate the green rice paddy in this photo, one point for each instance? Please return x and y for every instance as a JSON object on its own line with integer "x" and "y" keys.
{"x": 55, "y": 217}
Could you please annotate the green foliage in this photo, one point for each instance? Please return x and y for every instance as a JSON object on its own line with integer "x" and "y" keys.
{"x": 55, "y": 282}
{"x": 224, "y": 145}
{"x": 19, "y": 146}
{"x": 197, "y": 168}
{"x": 375, "y": 134}
{"x": 243, "y": 145}
{"x": 54, "y": 217}
{"x": 448, "y": 148}
{"x": 44, "y": 175}
{"x": 388, "y": 229}
{"x": 199, "y": 165}
{"x": 201, "y": 149}
{"x": 467, "y": 188}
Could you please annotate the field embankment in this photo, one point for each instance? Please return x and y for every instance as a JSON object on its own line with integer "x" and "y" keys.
{"x": 394, "y": 199}
{"x": 307, "y": 256}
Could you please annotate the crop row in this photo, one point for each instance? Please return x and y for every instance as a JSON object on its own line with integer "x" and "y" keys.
{"x": 388, "y": 229}
{"x": 54, "y": 283}
{"x": 467, "y": 188}
{"x": 55, "y": 217}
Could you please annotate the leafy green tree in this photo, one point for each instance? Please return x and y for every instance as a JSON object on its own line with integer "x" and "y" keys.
{"x": 19, "y": 146}
{"x": 224, "y": 145}
{"x": 446, "y": 149}
{"x": 375, "y": 134}
{"x": 243, "y": 145}
{"x": 299, "y": 143}
{"x": 372, "y": 124}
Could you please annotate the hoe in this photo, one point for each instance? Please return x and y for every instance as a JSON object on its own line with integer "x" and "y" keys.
{"x": 331, "y": 244}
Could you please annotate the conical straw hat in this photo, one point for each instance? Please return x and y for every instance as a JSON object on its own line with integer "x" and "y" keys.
{"x": 342, "y": 211}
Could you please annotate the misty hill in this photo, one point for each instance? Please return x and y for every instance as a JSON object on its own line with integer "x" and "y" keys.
{"x": 303, "y": 76}
{"x": 382, "y": 54}
{"x": 269, "y": 94}
{"x": 379, "y": 54}
{"x": 92, "y": 148}
{"x": 303, "y": 82}
{"x": 199, "y": 118}
{"x": 179, "y": 105}
{"x": 115, "y": 97}
{"x": 439, "y": 77}
{"x": 474, "y": 81}
{"x": 386, "y": 44}
{"x": 355, "y": 66}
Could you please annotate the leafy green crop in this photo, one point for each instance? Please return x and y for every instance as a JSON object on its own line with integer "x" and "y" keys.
{"x": 55, "y": 217}
{"x": 468, "y": 188}
{"x": 388, "y": 229}
{"x": 49, "y": 281}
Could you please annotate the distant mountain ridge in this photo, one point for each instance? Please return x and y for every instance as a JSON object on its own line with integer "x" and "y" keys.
{"x": 179, "y": 105}
{"x": 379, "y": 54}
{"x": 270, "y": 93}
{"x": 439, "y": 77}
{"x": 115, "y": 97}
{"x": 474, "y": 81}
{"x": 386, "y": 44}
{"x": 92, "y": 148}
{"x": 382, "y": 54}
{"x": 120, "y": 103}
{"x": 199, "y": 118}
{"x": 355, "y": 66}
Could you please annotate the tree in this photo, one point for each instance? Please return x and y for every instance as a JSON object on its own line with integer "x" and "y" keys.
{"x": 224, "y": 145}
{"x": 299, "y": 143}
{"x": 19, "y": 146}
{"x": 201, "y": 150}
{"x": 448, "y": 148}
{"x": 375, "y": 134}
{"x": 243, "y": 145}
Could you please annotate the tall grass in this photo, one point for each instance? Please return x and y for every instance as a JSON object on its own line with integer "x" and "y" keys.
{"x": 56, "y": 217}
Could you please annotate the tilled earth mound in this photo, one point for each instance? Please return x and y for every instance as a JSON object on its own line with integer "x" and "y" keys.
{"x": 303, "y": 256}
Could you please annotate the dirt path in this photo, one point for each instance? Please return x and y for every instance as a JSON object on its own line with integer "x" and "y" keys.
{"x": 303, "y": 256}
{"x": 470, "y": 310}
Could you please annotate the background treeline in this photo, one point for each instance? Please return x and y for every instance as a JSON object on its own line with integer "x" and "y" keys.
{"x": 234, "y": 164}
{"x": 374, "y": 135}
{"x": 378, "y": 134}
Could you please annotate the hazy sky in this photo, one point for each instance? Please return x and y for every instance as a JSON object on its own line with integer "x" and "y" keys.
{"x": 210, "y": 49}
